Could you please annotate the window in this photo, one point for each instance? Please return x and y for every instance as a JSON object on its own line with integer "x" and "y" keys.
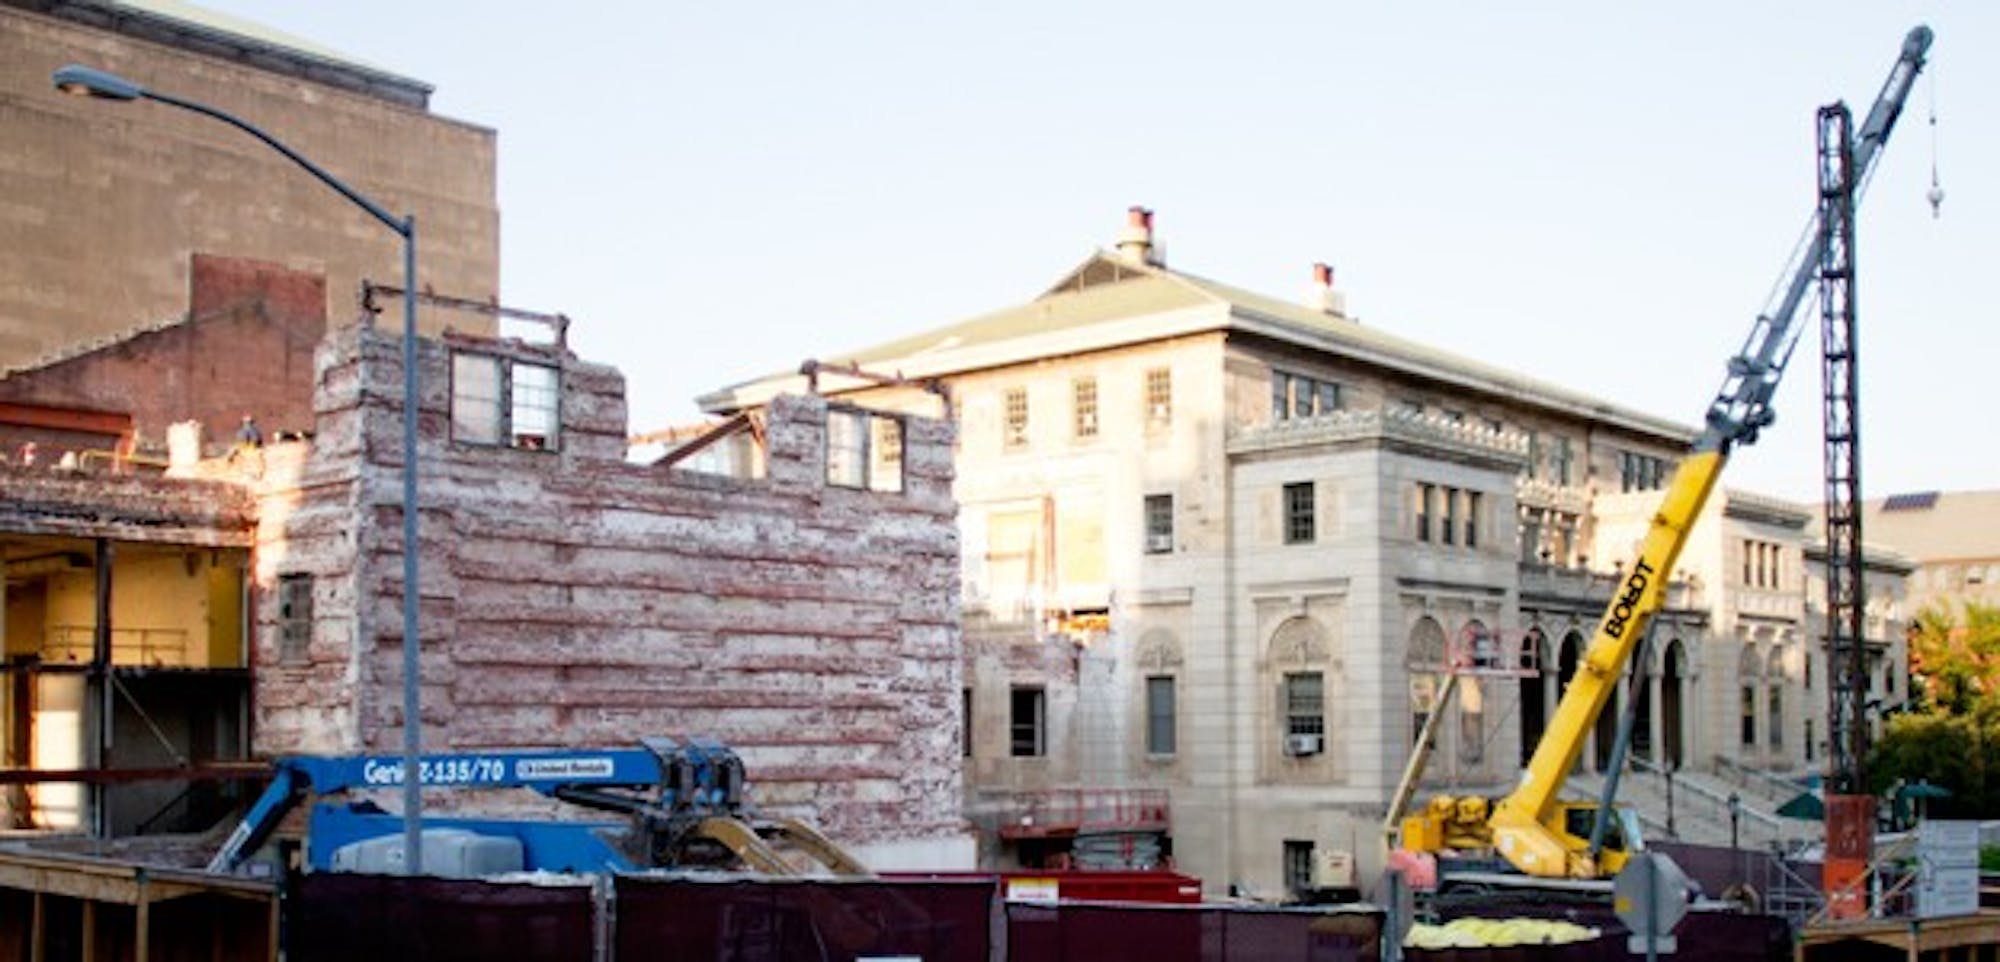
{"x": 1083, "y": 392}
{"x": 1762, "y": 564}
{"x": 965, "y": 723}
{"x": 1159, "y": 398}
{"x": 1298, "y": 396}
{"x": 1534, "y": 468}
{"x": 1159, "y": 523}
{"x": 1305, "y": 711}
{"x": 1472, "y": 519}
{"x": 1015, "y": 403}
{"x": 1564, "y": 458}
{"x": 1425, "y": 495}
{"x": 295, "y": 618}
{"x": 497, "y": 400}
{"x": 1025, "y": 724}
{"x": 863, "y": 450}
{"x": 1640, "y": 472}
{"x": 1748, "y": 736}
{"x": 1159, "y": 715}
{"x": 1298, "y": 866}
{"x": 1448, "y": 531}
{"x": 1809, "y": 738}
{"x": 1299, "y": 513}
{"x": 1471, "y": 722}
{"x": 1531, "y": 536}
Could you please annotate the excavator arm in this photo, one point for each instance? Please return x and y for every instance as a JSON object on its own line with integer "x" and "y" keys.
{"x": 1526, "y": 825}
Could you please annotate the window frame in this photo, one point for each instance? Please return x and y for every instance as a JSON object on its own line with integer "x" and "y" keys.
{"x": 1036, "y": 728}
{"x": 1085, "y": 424}
{"x": 1014, "y": 418}
{"x": 513, "y": 404}
{"x": 1157, "y": 518}
{"x": 295, "y": 617}
{"x": 1296, "y": 696}
{"x": 1301, "y": 521}
{"x": 1162, "y": 715}
{"x": 1157, "y": 396}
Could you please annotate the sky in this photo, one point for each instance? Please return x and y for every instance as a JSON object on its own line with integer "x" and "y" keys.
{"x": 1597, "y": 195}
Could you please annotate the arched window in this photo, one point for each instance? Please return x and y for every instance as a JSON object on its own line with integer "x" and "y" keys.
{"x": 1673, "y": 670}
{"x": 1426, "y": 663}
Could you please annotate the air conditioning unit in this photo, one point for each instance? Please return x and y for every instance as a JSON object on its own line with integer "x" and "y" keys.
{"x": 1297, "y": 745}
{"x": 1159, "y": 543}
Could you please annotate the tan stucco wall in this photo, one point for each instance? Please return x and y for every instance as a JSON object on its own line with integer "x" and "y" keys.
{"x": 102, "y": 203}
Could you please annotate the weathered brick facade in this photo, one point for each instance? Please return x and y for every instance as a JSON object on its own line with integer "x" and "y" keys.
{"x": 572, "y": 598}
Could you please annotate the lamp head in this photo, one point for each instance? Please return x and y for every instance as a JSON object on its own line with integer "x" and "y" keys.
{"x": 91, "y": 82}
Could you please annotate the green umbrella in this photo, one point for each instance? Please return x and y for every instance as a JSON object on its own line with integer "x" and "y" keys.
{"x": 1804, "y": 805}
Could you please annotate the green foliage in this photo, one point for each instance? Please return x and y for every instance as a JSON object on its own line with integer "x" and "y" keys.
{"x": 1956, "y": 752}
{"x": 1955, "y": 657}
{"x": 1989, "y": 858}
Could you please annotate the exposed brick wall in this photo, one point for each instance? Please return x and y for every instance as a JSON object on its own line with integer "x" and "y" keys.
{"x": 572, "y": 599}
{"x": 246, "y": 348}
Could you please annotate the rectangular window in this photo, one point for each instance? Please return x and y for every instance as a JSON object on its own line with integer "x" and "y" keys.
{"x": 1531, "y": 536}
{"x": 1809, "y": 739}
{"x": 1448, "y": 531}
{"x": 1305, "y": 706}
{"x": 1159, "y": 523}
{"x": 1563, "y": 460}
{"x": 1534, "y": 468}
{"x": 295, "y": 618}
{"x": 1748, "y": 736}
{"x": 1159, "y": 398}
{"x": 1299, "y": 526}
{"x": 475, "y": 398}
{"x": 1160, "y": 715}
{"x": 1472, "y": 519}
{"x": 1298, "y": 866}
{"x": 1640, "y": 472}
{"x": 1083, "y": 391}
{"x": 1025, "y": 717}
{"x": 1299, "y": 396}
{"x": 885, "y": 467}
{"x": 846, "y": 448}
{"x": 965, "y": 723}
{"x": 1425, "y": 495}
{"x": 496, "y": 400}
{"x": 1015, "y": 403}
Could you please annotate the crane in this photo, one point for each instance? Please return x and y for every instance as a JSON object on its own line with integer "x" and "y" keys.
{"x": 1531, "y": 828}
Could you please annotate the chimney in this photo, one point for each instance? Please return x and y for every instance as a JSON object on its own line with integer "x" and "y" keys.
{"x": 1135, "y": 242}
{"x": 1322, "y": 296}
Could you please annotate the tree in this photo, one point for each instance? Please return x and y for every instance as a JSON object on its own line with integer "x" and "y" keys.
{"x": 1955, "y": 676}
{"x": 1955, "y": 663}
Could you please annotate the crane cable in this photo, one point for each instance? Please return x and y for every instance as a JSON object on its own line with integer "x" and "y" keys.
{"x": 1936, "y": 194}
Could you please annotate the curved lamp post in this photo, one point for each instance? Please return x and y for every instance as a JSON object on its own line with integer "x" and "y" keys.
{"x": 91, "y": 82}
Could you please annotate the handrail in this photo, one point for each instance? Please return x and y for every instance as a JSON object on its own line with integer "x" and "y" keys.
{"x": 1778, "y": 781}
{"x": 1702, "y": 791}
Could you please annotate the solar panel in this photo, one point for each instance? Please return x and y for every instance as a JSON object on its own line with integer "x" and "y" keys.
{"x": 1913, "y": 501}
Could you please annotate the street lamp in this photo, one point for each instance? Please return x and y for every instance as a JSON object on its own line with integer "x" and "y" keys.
{"x": 91, "y": 82}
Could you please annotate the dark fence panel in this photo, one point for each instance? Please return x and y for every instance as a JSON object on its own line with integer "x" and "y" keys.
{"x": 789, "y": 920}
{"x": 1132, "y": 932}
{"x": 339, "y": 916}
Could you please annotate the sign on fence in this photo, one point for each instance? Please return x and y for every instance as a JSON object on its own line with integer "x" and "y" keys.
{"x": 1947, "y": 868}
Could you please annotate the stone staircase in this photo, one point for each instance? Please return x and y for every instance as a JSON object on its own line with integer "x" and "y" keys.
{"x": 1700, "y": 808}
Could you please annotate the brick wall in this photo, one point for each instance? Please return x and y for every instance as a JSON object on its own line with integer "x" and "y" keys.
{"x": 572, "y": 599}
{"x": 246, "y": 348}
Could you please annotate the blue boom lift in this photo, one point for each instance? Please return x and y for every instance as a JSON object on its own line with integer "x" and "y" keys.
{"x": 682, "y": 807}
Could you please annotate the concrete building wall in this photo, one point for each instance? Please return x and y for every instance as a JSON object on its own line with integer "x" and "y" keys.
{"x": 104, "y": 203}
{"x": 571, "y": 598}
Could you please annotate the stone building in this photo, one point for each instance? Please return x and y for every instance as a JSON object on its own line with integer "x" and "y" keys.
{"x": 1219, "y": 550}
{"x": 568, "y": 598}
{"x": 108, "y": 204}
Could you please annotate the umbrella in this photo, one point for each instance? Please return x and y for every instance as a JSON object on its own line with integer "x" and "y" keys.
{"x": 1924, "y": 790}
{"x": 1804, "y": 805}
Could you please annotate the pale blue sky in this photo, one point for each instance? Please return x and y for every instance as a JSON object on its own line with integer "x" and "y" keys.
{"x": 1597, "y": 194}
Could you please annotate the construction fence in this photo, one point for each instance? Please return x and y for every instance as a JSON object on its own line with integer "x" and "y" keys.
{"x": 736, "y": 919}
